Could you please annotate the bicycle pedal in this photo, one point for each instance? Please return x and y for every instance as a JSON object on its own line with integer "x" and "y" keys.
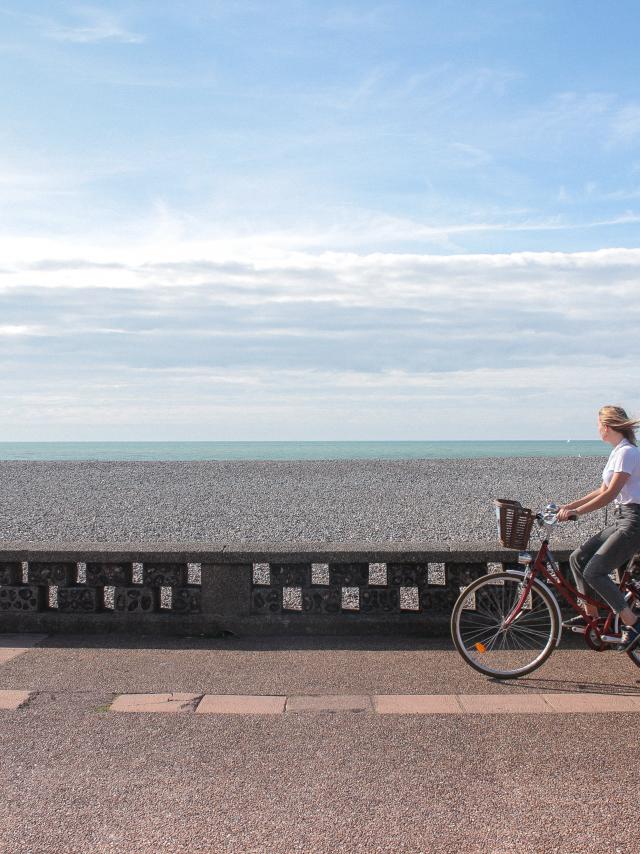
{"x": 579, "y": 630}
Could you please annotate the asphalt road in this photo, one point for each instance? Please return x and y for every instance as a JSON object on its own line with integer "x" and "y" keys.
{"x": 78, "y": 778}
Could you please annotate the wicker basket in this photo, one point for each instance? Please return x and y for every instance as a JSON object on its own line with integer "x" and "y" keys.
{"x": 514, "y": 523}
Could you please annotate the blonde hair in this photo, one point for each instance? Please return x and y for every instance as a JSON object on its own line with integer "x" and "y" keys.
{"x": 616, "y": 418}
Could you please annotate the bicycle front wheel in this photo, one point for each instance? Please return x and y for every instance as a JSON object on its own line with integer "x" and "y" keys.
{"x": 481, "y": 638}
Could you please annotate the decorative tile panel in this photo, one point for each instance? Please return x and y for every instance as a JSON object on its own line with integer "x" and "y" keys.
{"x": 52, "y": 573}
{"x": 266, "y": 599}
{"x": 334, "y": 587}
{"x": 164, "y": 574}
{"x": 375, "y": 599}
{"x": 108, "y": 574}
{"x": 187, "y": 600}
{"x": 25, "y": 597}
{"x": 290, "y": 574}
{"x": 10, "y": 572}
{"x": 136, "y": 599}
{"x": 79, "y": 600}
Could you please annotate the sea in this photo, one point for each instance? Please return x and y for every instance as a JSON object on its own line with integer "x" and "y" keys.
{"x": 392, "y": 450}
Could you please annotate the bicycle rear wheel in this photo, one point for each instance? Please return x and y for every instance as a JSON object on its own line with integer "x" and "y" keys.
{"x": 477, "y": 626}
{"x": 634, "y": 654}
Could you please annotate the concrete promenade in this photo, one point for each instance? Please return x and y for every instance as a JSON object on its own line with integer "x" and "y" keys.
{"x": 310, "y": 745}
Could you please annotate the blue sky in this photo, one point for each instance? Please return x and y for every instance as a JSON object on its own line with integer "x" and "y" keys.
{"x": 309, "y": 220}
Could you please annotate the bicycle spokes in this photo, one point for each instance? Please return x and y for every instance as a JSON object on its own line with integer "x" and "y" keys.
{"x": 495, "y": 637}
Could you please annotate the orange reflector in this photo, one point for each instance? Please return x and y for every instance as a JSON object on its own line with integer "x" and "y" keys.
{"x": 481, "y": 647}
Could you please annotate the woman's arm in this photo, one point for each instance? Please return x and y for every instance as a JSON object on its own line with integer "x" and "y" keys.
{"x": 580, "y": 501}
{"x": 604, "y": 496}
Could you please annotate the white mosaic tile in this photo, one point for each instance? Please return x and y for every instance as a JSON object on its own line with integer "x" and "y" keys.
{"x": 492, "y": 569}
{"x": 194, "y": 573}
{"x": 261, "y": 573}
{"x": 409, "y": 599}
{"x": 53, "y": 596}
{"x": 378, "y": 573}
{"x": 320, "y": 573}
{"x": 436, "y": 574}
{"x": 469, "y": 603}
{"x": 351, "y": 598}
{"x": 292, "y": 598}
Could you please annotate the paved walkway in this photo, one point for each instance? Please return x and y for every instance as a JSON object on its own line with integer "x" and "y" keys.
{"x": 314, "y": 745}
{"x": 384, "y": 704}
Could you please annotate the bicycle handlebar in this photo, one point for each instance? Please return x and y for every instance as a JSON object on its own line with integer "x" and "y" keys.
{"x": 550, "y": 517}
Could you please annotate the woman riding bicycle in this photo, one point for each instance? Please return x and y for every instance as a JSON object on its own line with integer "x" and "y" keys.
{"x": 615, "y": 544}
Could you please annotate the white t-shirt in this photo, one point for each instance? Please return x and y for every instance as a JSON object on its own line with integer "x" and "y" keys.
{"x": 625, "y": 457}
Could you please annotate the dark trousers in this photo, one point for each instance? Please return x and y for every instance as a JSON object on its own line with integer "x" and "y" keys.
{"x": 609, "y": 549}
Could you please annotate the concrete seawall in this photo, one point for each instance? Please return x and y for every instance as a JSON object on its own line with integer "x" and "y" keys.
{"x": 241, "y": 589}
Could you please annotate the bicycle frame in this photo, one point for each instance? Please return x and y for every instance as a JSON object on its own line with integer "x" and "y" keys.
{"x": 545, "y": 566}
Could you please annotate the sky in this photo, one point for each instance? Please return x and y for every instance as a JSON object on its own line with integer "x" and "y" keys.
{"x": 299, "y": 220}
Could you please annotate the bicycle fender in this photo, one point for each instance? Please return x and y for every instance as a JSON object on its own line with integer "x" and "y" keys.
{"x": 537, "y": 583}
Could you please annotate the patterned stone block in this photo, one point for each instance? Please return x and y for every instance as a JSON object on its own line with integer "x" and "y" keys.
{"x": 141, "y": 600}
{"x": 25, "y": 597}
{"x": 59, "y": 574}
{"x": 408, "y": 574}
{"x": 266, "y": 599}
{"x": 380, "y": 600}
{"x": 164, "y": 574}
{"x": 319, "y": 601}
{"x": 10, "y": 572}
{"x": 187, "y": 600}
{"x": 462, "y": 574}
{"x": 79, "y": 600}
{"x": 290, "y": 574}
{"x": 441, "y": 598}
{"x": 108, "y": 574}
{"x": 349, "y": 574}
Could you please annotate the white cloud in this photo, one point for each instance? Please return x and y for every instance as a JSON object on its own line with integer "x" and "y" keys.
{"x": 625, "y": 127}
{"x": 16, "y": 330}
{"x": 240, "y": 338}
{"x": 93, "y": 25}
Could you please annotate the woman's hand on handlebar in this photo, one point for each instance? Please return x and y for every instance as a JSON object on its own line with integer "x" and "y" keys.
{"x": 565, "y": 514}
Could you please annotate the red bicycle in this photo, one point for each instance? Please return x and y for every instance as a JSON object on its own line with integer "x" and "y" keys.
{"x": 506, "y": 624}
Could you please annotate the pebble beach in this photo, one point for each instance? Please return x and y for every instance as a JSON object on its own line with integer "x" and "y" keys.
{"x": 422, "y": 501}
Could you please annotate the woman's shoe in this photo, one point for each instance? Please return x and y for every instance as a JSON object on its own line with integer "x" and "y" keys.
{"x": 629, "y": 637}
